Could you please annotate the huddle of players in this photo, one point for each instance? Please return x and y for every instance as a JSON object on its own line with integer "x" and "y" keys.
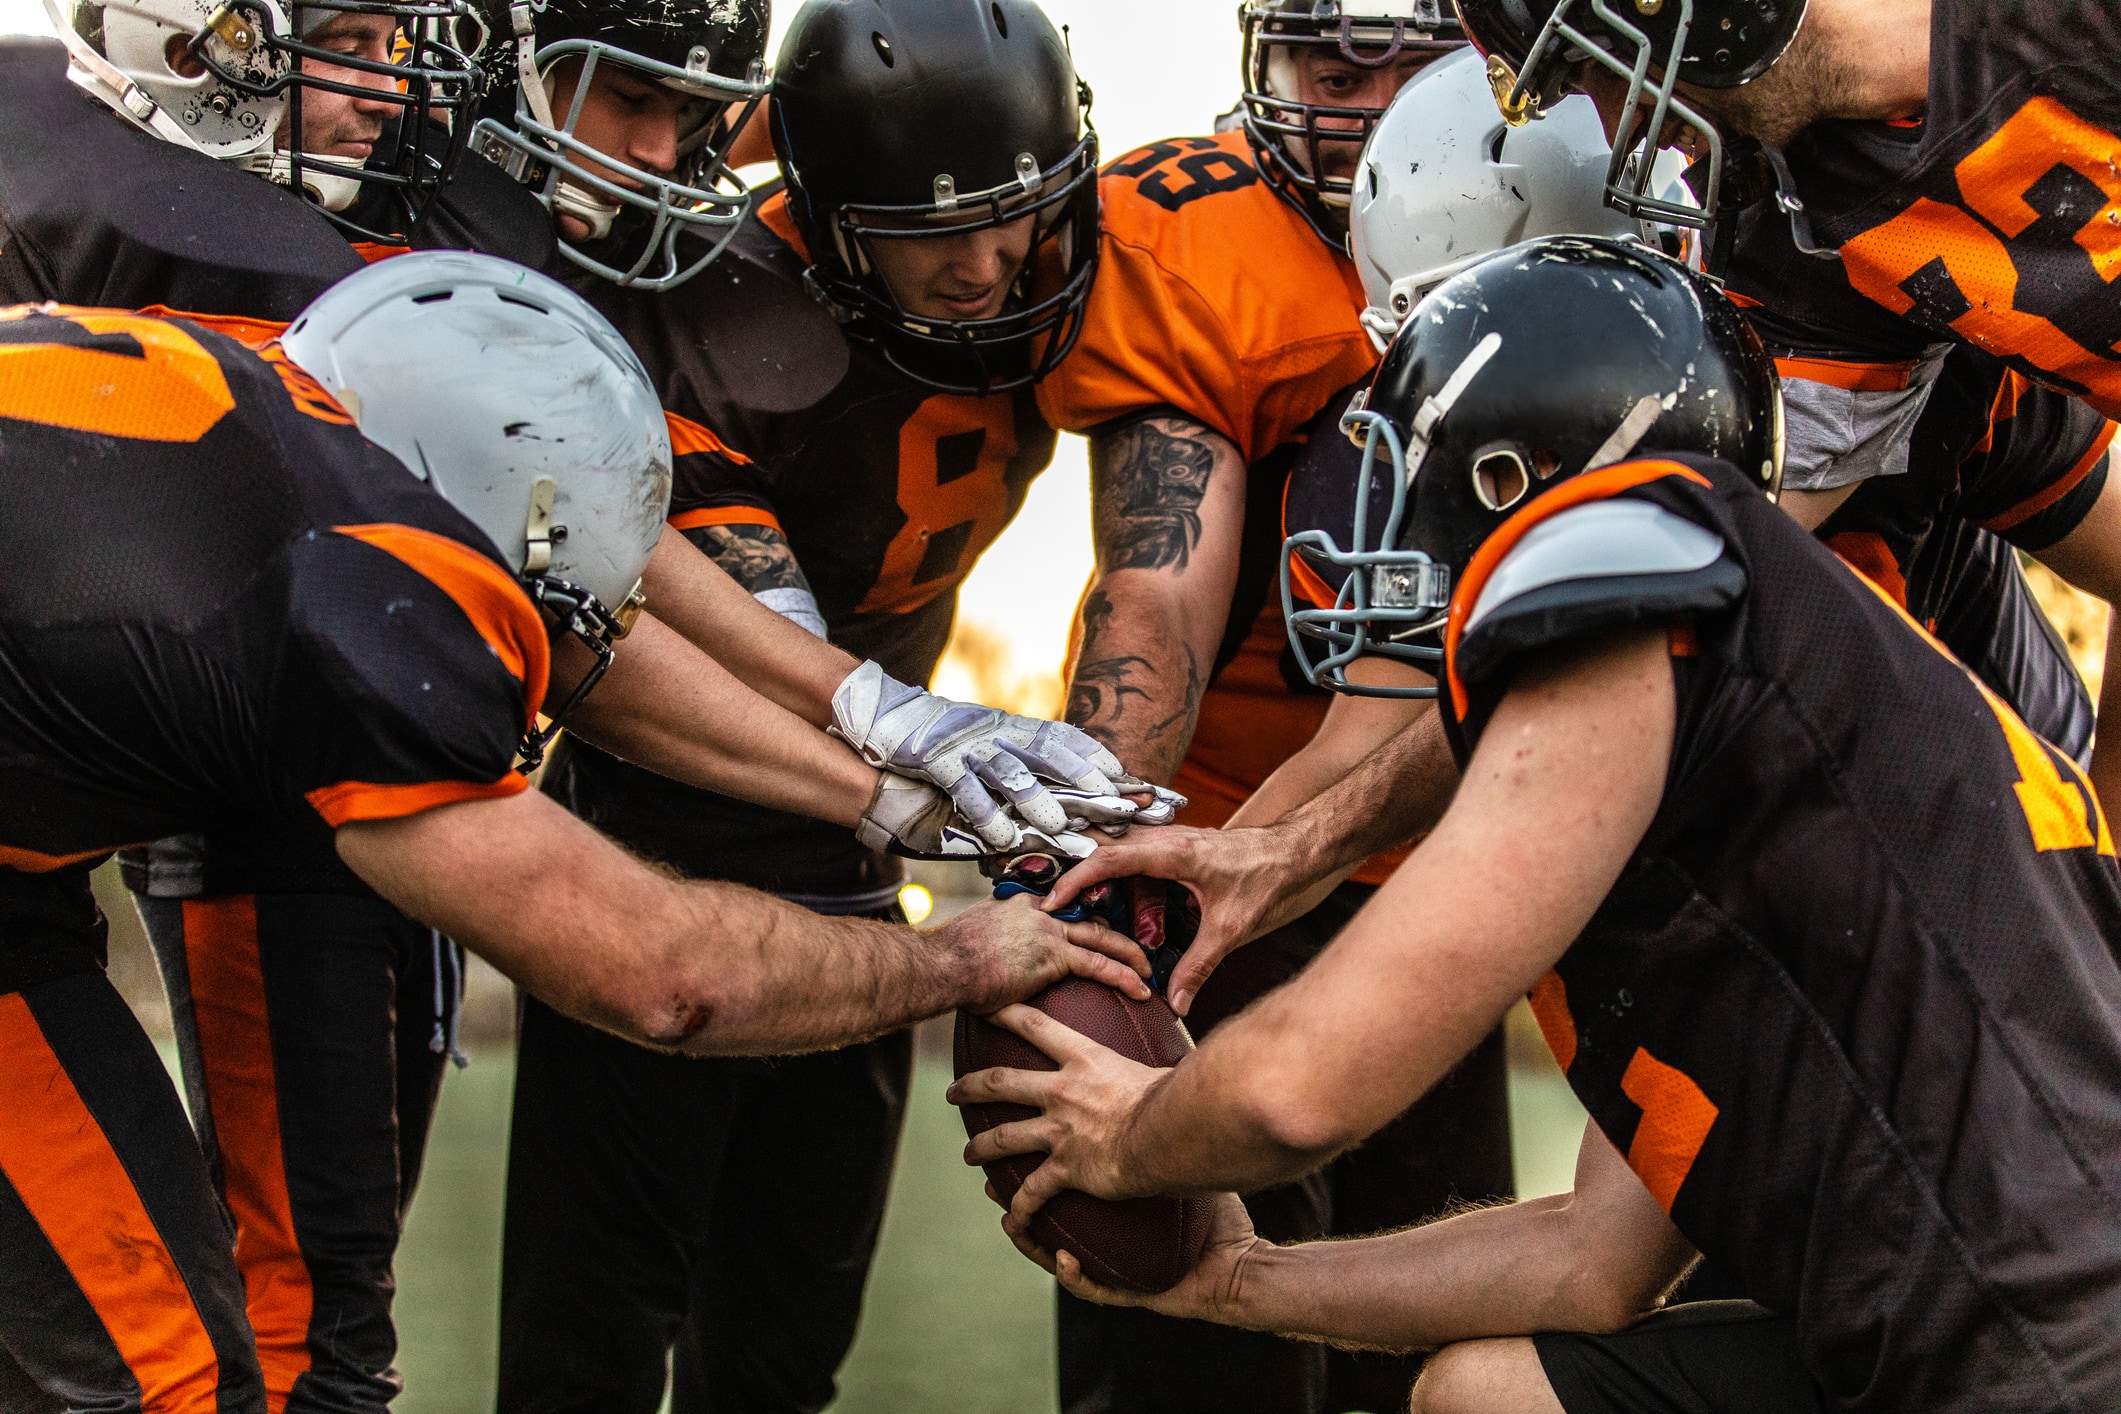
{"x": 731, "y": 1205}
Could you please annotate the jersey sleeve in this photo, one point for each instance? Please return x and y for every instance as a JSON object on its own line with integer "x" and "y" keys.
{"x": 1150, "y": 343}
{"x": 1583, "y": 559}
{"x": 414, "y": 664}
{"x": 2042, "y": 466}
{"x": 723, "y": 504}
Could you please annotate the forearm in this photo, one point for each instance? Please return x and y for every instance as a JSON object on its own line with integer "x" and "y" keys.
{"x": 710, "y": 968}
{"x": 703, "y": 604}
{"x": 672, "y": 709}
{"x": 1332, "y": 813}
{"x": 1139, "y": 673}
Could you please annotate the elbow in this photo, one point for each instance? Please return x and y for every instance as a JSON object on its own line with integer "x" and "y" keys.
{"x": 1305, "y": 1131}
{"x": 673, "y": 1011}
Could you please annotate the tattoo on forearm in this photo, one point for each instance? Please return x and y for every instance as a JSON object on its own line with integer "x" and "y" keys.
{"x": 1098, "y": 703}
{"x": 755, "y": 556}
{"x": 1102, "y": 687}
{"x": 1151, "y": 480}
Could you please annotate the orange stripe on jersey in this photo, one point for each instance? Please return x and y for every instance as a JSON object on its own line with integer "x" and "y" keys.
{"x": 1550, "y": 1008}
{"x": 2025, "y": 510}
{"x": 489, "y": 596}
{"x": 775, "y": 216}
{"x": 242, "y": 1089}
{"x": 254, "y": 333}
{"x": 59, "y": 1160}
{"x": 1676, "y": 1119}
{"x": 727, "y": 515}
{"x": 29, "y": 861}
{"x": 373, "y": 251}
{"x": 688, "y": 437}
{"x": 359, "y": 800}
{"x": 173, "y": 391}
{"x": 1590, "y": 486}
{"x": 1308, "y": 584}
{"x": 1867, "y": 551}
{"x": 1854, "y": 377}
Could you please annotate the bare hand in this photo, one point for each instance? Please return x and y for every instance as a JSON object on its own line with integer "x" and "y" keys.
{"x": 1212, "y": 1291}
{"x": 1238, "y": 877}
{"x": 1014, "y": 951}
{"x": 1084, "y": 1107}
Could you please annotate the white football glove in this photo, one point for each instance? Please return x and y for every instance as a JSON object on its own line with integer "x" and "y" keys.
{"x": 984, "y": 758}
{"x": 914, "y": 819}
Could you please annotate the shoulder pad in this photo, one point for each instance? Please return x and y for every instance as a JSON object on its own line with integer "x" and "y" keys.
{"x": 1592, "y": 567}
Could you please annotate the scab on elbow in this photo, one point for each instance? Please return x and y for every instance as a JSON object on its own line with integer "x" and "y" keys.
{"x": 674, "y": 1017}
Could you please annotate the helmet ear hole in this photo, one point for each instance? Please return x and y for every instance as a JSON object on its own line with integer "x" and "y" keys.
{"x": 1501, "y": 477}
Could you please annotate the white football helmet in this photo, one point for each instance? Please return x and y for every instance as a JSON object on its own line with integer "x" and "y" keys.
{"x": 1445, "y": 182}
{"x": 519, "y": 403}
{"x": 122, "y": 51}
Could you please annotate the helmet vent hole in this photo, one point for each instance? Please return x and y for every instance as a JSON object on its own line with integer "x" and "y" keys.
{"x": 507, "y": 298}
{"x": 1544, "y": 463}
{"x": 1500, "y": 478}
{"x": 883, "y": 49}
{"x": 1001, "y": 23}
{"x": 433, "y": 297}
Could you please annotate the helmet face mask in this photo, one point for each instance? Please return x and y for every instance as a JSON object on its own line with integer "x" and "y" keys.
{"x": 1539, "y": 364}
{"x": 1652, "y": 49}
{"x": 711, "y": 53}
{"x": 250, "y": 63}
{"x": 1042, "y": 315}
{"x": 1307, "y": 151}
{"x": 929, "y": 121}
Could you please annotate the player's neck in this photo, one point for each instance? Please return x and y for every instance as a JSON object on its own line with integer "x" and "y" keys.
{"x": 1861, "y": 59}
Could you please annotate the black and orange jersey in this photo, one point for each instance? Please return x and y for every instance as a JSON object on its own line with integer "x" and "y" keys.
{"x": 224, "y": 609}
{"x": 1216, "y": 301}
{"x": 95, "y": 212}
{"x": 886, "y": 491}
{"x": 1852, "y": 1010}
{"x": 1992, "y": 448}
{"x": 1991, "y": 221}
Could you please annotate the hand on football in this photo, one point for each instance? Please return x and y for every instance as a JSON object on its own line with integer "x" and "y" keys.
{"x": 1213, "y": 1291}
{"x": 1013, "y": 951}
{"x": 1084, "y": 1107}
{"x": 1238, "y": 877}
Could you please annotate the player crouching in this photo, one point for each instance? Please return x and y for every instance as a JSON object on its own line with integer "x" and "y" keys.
{"x": 1821, "y": 934}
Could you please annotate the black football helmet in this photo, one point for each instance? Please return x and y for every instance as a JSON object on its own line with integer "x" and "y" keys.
{"x": 1287, "y": 135}
{"x": 711, "y": 51}
{"x": 1531, "y": 45}
{"x": 226, "y": 78}
{"x": 1550, "y": 359}
{"x": 917, "y": 119}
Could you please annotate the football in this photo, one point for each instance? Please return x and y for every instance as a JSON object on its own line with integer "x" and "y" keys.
{"x": 1139, "y": 1244}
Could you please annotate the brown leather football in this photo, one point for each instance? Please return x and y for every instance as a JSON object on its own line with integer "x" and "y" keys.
{"x": 1139, "y": 1244}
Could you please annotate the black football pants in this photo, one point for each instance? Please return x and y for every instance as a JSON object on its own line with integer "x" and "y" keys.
{"x": 306, "y": 1027}
{"x": 715, "y": 1213}
{"x": 1452, "y": 1145}
{"x": 118, "y": 1290}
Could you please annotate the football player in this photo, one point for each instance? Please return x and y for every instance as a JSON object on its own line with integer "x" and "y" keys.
{"x": 1902, "y": 177}
{"x": 230, "y": 603}
{"x": 865, "y": 347}
{"x": 1822, "y": 935}
{"x": 1225, "y": 315}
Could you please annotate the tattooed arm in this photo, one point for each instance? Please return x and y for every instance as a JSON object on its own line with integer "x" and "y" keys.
{"x": 1167, "y": 505}
{"x": 718, "y": 595}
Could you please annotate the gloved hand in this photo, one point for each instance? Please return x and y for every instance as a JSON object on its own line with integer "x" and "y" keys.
{"x": 985, "y": 759}
{"x": 913, "y": 819}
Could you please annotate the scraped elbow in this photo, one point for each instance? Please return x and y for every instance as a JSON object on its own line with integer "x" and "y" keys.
{"x": 675, "y": 1013}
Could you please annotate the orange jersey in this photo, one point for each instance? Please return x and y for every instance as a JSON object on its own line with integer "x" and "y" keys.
{"x": 1216, "y": 301}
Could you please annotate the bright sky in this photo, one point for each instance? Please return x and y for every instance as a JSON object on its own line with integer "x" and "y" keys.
{"x": 1160, "y": 68}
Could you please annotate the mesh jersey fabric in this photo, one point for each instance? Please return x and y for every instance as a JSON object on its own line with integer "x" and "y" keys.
{"x": 1883, "y": 1100}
